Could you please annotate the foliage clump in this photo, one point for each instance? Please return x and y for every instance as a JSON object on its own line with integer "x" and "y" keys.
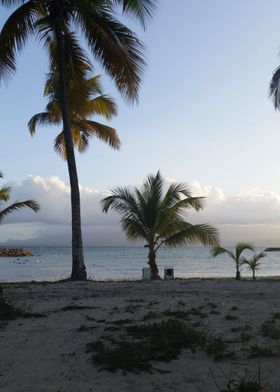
{"x": 162, "y": 341}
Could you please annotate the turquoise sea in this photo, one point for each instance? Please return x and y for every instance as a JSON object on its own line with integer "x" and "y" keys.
{"x": 53, "y": 263}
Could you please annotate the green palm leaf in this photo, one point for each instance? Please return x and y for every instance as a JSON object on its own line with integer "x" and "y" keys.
{"x": 5, "y": 196}
{"x": 194, "y": 234}
{"x": 14, "y": 35}
{"x": 5, "y": 193}
{"x": 32, "y": 204}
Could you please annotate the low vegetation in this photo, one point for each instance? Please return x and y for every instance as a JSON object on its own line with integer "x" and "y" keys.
{"x": 10, "y": 312}
{"x": 242, "y": 383}
{"x": 159, "y": 341}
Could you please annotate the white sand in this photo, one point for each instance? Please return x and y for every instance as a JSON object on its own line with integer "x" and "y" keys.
{"x": 48, "y": 354}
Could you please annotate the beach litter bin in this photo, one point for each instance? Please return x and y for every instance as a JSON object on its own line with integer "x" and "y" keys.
{"x": 168, "y": 273}
{"x": 146, "y": 273}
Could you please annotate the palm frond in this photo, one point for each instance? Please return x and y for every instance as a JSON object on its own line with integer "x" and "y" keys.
{"x": 217, "y": 251}
{"x": 14, "y": 34}
{"x": 117, "y": 49}
{"x": 143, "y": 10}
{"x": 82, "y": 131}
{"x": 134, "y": 229}
{"x": 274, "y": 88}
{"x": 122, "y": 201}
{"x": 43, "y": 119}
{"x": 5, "y": 193}
{"x": 103, "y": 105}
{"x": 194, "y": 234}
{"x": 240, "y": 247}
{"x": 254, "y": 261}
{"x": 32, "y": 204}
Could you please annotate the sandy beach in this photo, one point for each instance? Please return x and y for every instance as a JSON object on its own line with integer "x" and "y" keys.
{"x": 50, "y": 353}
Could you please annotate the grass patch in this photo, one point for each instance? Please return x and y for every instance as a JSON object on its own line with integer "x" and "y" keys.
{"x": 11, "y": 312}
{"x": 111, "y": 328}
{"x": 121, "y": 322}
{"x": 69, "y": 308}
{"x": 84, "y": 328}
{"x": 230, "y": 317}
{"x": 135, "y": 300}
{"x": 180, "y": 314}
{"x": 216, "y": 348}
{"x": 270, "y": 330}
{"x": 198, "y": 312}
{"x": 242, "y": 383}
{"x": 215, "y": 312}
{"x": 150, "y": 315}
{"x": 162, "y": 341}
{"x": 132, "y": 308}
{"x": 212, "y": 305}
{"x": 245, "y": 337}
{"x": 261, "y": 351}
{"x": 242, "y": 328}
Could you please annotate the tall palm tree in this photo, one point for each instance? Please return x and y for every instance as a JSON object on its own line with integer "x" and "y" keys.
{"x": 18, "y": 205}
{"x": 114, "y": 45}
{"x": 235, "y": 256}
{"x": 254, "y": 262}
{"x": 91, "y": 102}
{"x": 157, "y": 217}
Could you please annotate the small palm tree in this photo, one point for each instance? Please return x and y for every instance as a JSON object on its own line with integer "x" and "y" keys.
{"x": 18, "y": 205}
{"x": 254, "y": 262}
{"x": 157, "y": 217}
{"x": 235, "y": 256}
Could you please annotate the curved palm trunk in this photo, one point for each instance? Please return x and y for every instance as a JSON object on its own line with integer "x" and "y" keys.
{"x": 152, "y": 264}
{"x": 78, "y": 265}
{"x": 238, "y": 274}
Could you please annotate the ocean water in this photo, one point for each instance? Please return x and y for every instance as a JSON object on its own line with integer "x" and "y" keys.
{"x": 49, "y": 263}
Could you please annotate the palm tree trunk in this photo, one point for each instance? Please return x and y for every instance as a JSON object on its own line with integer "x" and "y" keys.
{"x": 238, "y": 275}
{"x": 78, "y": 265}
{"x": 153, "y": 265}
{"x": 254, "y": 274}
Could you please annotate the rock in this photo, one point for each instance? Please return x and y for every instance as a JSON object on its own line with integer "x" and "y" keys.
{"x": 18, "y": 252}
{"x": 272, "y": 250}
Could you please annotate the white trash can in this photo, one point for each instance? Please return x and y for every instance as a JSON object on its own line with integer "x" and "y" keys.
{"x": 146, "y": 273}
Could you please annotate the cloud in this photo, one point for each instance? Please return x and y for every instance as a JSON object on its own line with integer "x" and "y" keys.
{"x": 250, "y": 215}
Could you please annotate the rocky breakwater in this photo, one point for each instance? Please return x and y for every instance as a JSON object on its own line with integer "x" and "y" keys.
{"x": 18, "y": 252}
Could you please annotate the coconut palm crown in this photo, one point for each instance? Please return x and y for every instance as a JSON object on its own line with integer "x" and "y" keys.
{"x": 113, "y": 45}
{"x": 18, "y": 205}
{"x": 155, "y": 216}
{"x": 85, "y": 99}
{"x": 235, "y": 256}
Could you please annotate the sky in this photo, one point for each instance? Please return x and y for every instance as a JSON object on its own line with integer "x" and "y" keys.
{"x": 204, "y": 117}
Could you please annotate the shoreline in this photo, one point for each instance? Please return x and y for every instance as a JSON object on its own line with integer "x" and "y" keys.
{"x": 272, "y": 278}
